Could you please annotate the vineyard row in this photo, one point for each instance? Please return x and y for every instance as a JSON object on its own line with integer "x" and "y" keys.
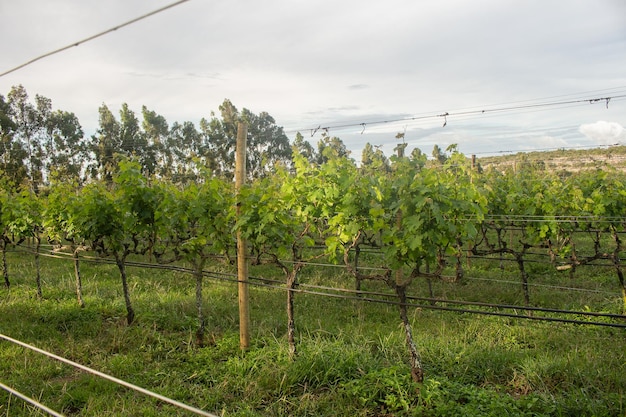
{"x": 421, "y": 217}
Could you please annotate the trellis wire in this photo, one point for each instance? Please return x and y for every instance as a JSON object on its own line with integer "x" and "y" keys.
{"x": 30, "y": 401}
{"x": 470, "y": 311}
{"x": 182, "y": 269}
{"x": 280, "y": 285}
{"x": 109, "y": 378}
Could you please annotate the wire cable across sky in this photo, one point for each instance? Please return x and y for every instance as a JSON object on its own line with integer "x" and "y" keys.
{"x": 463, "y": 113}
{"x": 97, "y": 35}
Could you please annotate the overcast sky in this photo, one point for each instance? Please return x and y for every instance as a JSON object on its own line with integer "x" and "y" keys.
{"x": 336, "y": 63}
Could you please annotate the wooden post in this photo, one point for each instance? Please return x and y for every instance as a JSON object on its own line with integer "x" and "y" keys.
{"x": 242, "y": 252}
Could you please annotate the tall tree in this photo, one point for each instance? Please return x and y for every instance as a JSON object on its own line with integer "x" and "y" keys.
{"x": 374, "y": 159}
{"x": 29, "y": 121}
{"x": 330, "y": 147}
{"x": 38, "y": 143}
{"x": 417, "y": 154}
{"x": 185, "y": 150}
{"x": 105, "y": 144}
{"x": 65, "y": 147}
{"x": 304, "y": 148}
{"x": 156, "y": 156}
{"x": 12, "y": 153}
{"x": 6, "y": 124}
{"x": 115, "y": 140}
{"x": 267, "y": 143}
{"x": 133, "y": 141}
{"x": 218, "y": 141}
{"x": 439, "y": 155}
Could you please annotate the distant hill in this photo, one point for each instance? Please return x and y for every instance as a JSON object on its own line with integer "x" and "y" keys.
{"x": 562, "y": 160}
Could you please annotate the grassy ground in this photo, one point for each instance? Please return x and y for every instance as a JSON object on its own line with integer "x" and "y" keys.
{"x": 352, "y": 358}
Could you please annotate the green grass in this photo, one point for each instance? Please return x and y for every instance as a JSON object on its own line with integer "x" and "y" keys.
{"x": 351, "y": 361}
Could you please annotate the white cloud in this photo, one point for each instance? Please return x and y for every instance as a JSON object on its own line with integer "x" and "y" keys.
{"x": 604, "y": 133}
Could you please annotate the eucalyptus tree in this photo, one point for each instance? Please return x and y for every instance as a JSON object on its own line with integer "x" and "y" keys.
{"x": 105, "y": 145}
{"x": 329, "y": 147}
{"x": 438, "y": 155}
{"x": 157, "y": 157}
{"x": 216, "y": 152}
{"x": 185, "y": 153}
{"x": 39, "y": 144}
{"x": 6, "y": 124}
{"x": 416, "y": 153}
{"x": 132, "y": 142}
{"x": 65, "y": 148}
{"x": 374, "y": 159}
{"x": 116, "y": 140}
{"x": 303, "y": 147}
{"x": 27, "y": 137}
{"x": 155, "y": 154}
{"x": 12, "y": 154}
{"x": 267, "y": 144}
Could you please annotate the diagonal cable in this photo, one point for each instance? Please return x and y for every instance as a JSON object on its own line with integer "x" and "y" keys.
{"x": 113, "y": 29}
{"x": 110, "y": 378}
{"x": 30, "y": 400}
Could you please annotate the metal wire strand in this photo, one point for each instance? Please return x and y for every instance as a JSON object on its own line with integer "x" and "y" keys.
{"x": 110, "y": 378}
{"x": 30, "y": 401}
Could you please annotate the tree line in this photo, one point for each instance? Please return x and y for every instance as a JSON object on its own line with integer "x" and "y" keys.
{"x": 40, "y": 146}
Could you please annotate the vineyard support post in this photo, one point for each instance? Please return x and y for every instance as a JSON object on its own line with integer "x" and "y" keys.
{"x": 242, "y": 261}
